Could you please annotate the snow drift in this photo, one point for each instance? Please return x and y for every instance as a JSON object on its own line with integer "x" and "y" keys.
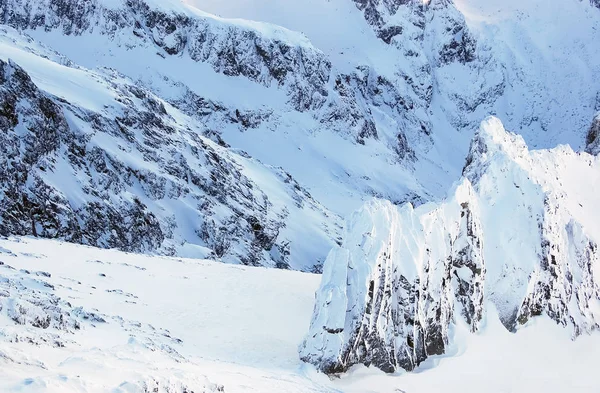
{"x": 519, "y": 231}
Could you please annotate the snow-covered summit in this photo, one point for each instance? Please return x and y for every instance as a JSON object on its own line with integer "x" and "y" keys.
{"x": 511, "y": 235}
{"x": 491, "y": 137}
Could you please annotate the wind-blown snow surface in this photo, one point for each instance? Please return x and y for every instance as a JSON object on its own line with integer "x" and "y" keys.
{"x": 80, "y": 319}
{"x": 519, "y": 231}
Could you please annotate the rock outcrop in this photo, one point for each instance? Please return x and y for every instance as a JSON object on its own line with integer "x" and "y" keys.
{"x": 508, "y": 235}
{"x": 592, "y": 139}
{"x": 280, "y": 57}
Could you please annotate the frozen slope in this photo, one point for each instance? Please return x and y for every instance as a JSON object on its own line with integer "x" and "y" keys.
{"x": 80, "y": 319}
{"x": 125, "y": 320}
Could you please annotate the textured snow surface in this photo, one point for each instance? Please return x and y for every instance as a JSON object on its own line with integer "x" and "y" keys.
{"x": 519, "y": 231}
{"x": 122, "y": 322}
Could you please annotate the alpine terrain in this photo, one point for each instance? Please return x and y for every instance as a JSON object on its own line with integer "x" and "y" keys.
{"x": 299, "y": 196}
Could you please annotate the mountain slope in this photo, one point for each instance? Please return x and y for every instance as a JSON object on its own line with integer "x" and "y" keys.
{"x": 518, "y": 233}
{"x": 156, "y": 127}
{"x": 97, "y": 160}
{"x": 380, "y": 103}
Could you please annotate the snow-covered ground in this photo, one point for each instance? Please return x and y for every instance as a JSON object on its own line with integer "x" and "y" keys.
{"x": 192, "y": 325}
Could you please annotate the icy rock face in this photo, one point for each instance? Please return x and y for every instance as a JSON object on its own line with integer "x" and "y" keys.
{"x": 282, "y": 57}
{"x": 388, "y": 294}
{"x": 117, "y": 201}
{"x": 438, "y": 49}
{"x": 441, "y": 16}
{"x": 449, "y": 33}
{"x": 507, "y": 235}
{"x": 431, "y": 36}
{"x": 541, "y": 241}
{"x": 436, "y": 45}
{"x": 592, "y": 140}
{"x": 377, "y": 12}
{"x": 363, "y": 93}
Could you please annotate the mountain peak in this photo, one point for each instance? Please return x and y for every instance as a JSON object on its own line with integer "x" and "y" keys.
{"x": 514, "y": 240}
{"x": 492, "y": 142}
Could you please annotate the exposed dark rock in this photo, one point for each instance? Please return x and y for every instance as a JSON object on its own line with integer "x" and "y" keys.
{"x": 36, "y": 136}
{"x": 403, "y": 276}
{"x": 302, "y": 70}
{"x": 592, "y": 139}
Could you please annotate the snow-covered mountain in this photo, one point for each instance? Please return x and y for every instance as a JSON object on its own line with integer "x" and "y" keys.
{"x": 518, "y": 233}
{"x": 349, "y": 100}
{"x": 246, "y": 131}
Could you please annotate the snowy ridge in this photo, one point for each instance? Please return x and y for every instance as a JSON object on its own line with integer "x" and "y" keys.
{"x": 508, "y": 235}
{"x": 263, "y": 53}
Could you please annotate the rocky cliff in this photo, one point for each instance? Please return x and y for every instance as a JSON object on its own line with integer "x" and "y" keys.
{"x": 508, "y": 236}
{"x": 170, "y": 189}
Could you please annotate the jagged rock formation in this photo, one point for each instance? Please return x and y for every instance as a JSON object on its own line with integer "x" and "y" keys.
{"x": 279, "y": 57}
{"x": 508, "y": 236}
{"x": 430, "y": 35}
{"x": 230, "y": 49}
{"x": 436, "y": 16}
